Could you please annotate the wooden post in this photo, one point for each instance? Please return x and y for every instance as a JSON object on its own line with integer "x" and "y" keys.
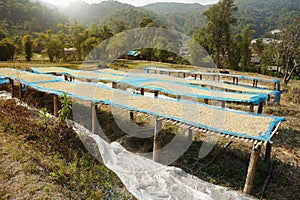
{"x": 156, "y": 140}
{"x": 233, "y": 81}
{"x": 142, "y": 91}
{"x": 223, "y": 104}
{"x": 184, "y": 75}
{"x": 268, "y": 152}
{"x": 260, "y": 108}
{"x": 251, "y": 108}
{"x": 131, "y": 115}
{"x": 190, "y": 134}
{"x": 200, "y": 77}
{"x": 55, "y": 107}
{"x": 12, "y": 87}
{"x": 237, "y": 81}
{"x": 169, "y": 73}
{"x": 206, "y": 101}
{"x": 195, "y": 76}
{"x": 178, "y": 97}
{"x": 114, "y": 85}
{"x": 155, "y": 94}
{"x": 94, "y": 117}
{"x": 20, "y": 91}
{"x": 253, "y": 82}
{"x": 252, "y": 169}
{"x": 275, "y": 86}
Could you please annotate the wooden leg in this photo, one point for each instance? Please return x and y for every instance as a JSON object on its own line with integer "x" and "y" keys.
{"x": 131, "y": 115}
{"x": 251, "y": 108}
{"x": 260, "y": 108}
{"x": 223, "y": 104}
{"x": 156, "y": 142}
{"x": 94, "y": 118}
{"x": 114, "y": 85}
{"x": 252, "y": 170}
{"x": 268, "y": 152}
{"x": 190, "y": 134}
{"x": 155, "y": 94}
{"x": 142, "y": 91}
{"x": 55, "y": 102}
{"x": 12, "y": 87}
{"x": 20, "y": 91}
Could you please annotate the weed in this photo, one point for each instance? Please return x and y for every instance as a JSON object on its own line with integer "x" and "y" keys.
{"x": 44, "y": 115}
{"x": 66, "y": 107}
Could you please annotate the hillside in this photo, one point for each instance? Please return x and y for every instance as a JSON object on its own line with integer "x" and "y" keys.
{"x": 167, "y": 8}
{"x": 87, "y": 13}
{"x": 22, "y": 17}
{"x": 131, "y": 17}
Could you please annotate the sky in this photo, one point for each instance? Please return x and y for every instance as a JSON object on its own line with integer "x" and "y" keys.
{"x": 132, "y": 2}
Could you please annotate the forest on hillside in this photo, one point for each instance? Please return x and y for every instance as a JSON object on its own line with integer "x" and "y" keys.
{"x": 225, "y": 30}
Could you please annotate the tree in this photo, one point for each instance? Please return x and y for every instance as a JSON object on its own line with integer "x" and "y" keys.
{"x": 88, "y": 45}
{"x": 52, "y": 45}
{"x": 27, "y": 47}
{"x": 7, "y": 49}
{"x": 289, "y": 46}
{"x": 220, "y": 18}
{"x": 147, "y": 22}
{"x": 245, "y": 48}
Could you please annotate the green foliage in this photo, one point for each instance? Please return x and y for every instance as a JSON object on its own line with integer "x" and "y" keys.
{"x": 7, "y": 49}
{"x": 147, "y": 22}
{"x": 44, "y": 115}
{"x": 167, "y": 8}
{"x": 66, "y": 108}
{"x": 27, "y": 47}
{"x": 220, "y": 18}
{"x": 22, "y": 17}
{"x": 245, "y": 48}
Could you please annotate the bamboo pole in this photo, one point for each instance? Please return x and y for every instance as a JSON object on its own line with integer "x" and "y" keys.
{"x": 20, "y": 91}
{"x": 155, "y": 94}
{"x": 94, "y": 117}
{"x": 131, "y": 115}
{"x": 55, "y": 109}
{"x": 268, "y": 152}
{"x": 252, "y": 169}
{"x": 251, "y": 108}
{"x": 223, "y": 104}
{"x": 260, "y": 108}
{"x": 114, "y": 85}
{"x": 156, "y": 140}
{"x": 142, "y": 91}
{"x": 12, "y": 87}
